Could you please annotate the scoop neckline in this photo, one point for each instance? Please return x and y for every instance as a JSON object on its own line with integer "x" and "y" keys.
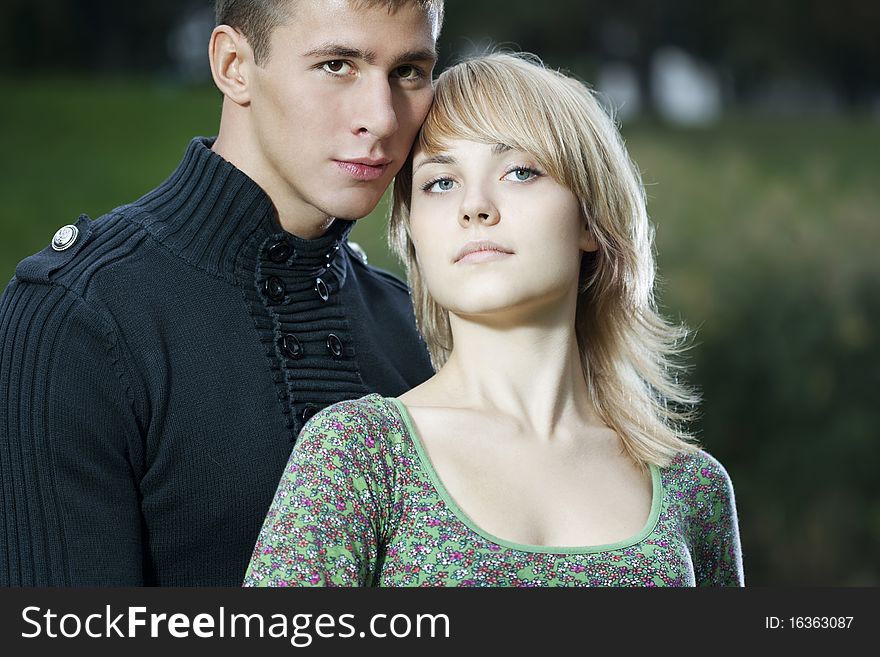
{"x": 461, "y": 516}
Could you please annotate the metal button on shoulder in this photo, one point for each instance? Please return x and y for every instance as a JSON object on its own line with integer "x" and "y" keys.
{"x": 65, "y": 237}
{"x": 291, "y": 347}
{"x": 307, "y": 412}
{"x": 322, "y": 289}
{"x": 274, "y": 288}
{"x": 358, "y": 250}
{"x": 280, "y": 252}
{"x": 334, "y": 346}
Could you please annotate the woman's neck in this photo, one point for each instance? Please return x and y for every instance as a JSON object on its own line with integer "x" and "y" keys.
{"x": 528, "y": 371}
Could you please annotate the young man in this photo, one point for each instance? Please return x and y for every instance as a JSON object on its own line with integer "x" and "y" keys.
{"x": 158, "y": 363}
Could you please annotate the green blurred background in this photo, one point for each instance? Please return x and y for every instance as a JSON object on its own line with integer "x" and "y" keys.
{"x": 766, "y": 202}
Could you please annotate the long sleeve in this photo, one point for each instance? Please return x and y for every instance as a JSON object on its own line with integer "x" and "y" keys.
{"x": 718, "y": 556}
{"x": 69, "y": 509}
{"x": 327, "y": 522}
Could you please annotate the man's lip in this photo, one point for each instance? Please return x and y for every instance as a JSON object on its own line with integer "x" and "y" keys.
{"x": 367, "y": 161}
{"x": 364, "y": 170}
{"x": 481, "y": 245}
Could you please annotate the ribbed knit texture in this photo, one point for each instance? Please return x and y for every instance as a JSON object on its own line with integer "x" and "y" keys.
{"x": 149, "y": 393}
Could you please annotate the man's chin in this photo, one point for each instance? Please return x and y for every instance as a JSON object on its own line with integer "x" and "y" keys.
{"x": 354, "y": 210}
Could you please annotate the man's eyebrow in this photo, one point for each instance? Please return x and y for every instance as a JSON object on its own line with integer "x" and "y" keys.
{"x": 416, "y": 56}
{"x": 435, "y": 159}
{"x": 339, "y": 51}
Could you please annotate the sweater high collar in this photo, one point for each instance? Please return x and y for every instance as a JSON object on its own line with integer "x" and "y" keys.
{"x": 211, "y": 214}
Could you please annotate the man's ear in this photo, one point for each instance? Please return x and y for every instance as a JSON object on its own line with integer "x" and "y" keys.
{"x": 231, "y": 59}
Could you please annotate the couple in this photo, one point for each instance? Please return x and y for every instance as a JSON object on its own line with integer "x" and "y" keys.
{"x": 160, "y": 362}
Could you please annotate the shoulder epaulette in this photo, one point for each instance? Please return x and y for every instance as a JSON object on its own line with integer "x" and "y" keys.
{"x": 62, "y": 250}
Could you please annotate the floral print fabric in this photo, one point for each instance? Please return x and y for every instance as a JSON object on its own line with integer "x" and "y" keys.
{"x": 360, "y": 505}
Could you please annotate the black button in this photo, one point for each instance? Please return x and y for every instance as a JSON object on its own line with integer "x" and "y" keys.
{"x": 280, "y": 252}
{"x": 307, "y": 412}
{"x": 334, "y": 346}
{"x": 274, "y": 288}
{"x": 322, "y": 289}
{"x": 291, "y": 347}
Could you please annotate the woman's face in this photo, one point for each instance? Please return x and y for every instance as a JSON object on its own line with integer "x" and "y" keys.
{"x": 493, "y": 232}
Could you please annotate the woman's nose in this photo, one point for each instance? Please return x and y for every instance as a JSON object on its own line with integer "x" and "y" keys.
{"x": 478, "y": 208}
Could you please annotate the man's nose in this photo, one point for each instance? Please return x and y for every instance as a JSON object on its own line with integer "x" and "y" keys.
{"x": 374, "y": 112}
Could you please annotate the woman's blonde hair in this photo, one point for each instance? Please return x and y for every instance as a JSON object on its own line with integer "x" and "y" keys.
{"x": 627, "y": 349}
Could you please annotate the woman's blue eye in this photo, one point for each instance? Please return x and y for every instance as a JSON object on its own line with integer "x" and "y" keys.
{"x": 521, "y": 174}
{"x": 441, "y": 185}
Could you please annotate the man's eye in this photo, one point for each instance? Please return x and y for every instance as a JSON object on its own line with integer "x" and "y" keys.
{"x": 337, "y": 67}
{"x": 408, "y": 72}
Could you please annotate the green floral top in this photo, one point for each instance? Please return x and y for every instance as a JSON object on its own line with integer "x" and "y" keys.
{"x": 359, "y": 504}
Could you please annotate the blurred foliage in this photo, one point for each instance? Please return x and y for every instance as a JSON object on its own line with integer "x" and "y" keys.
{"x": 87, "y": 35}
{"x": 750, "y": 42}
{"x": 765, "y": 234}
{"x": 766, "y": 237}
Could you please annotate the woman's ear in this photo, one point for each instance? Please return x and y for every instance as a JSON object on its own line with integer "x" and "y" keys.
{"x": 231, "y": 57}
{"x": 588, "y": 241}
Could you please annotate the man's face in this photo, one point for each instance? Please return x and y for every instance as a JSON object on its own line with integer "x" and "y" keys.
{"x": 337, "y": 105}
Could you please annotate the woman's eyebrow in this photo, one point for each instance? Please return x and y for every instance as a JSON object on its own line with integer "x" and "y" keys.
{"x": 435, "y": 159}
{"x": 497, "y": 149}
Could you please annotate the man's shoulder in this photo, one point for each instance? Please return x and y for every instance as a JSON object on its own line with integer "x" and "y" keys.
{"x": 370, "y": 274}
{"x": 78, "y": 250}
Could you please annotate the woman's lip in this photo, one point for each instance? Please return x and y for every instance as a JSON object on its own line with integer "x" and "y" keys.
{"x": 362, "y": 170}
{"x": 481, "y": 251}
{"x": 483, "y": 255}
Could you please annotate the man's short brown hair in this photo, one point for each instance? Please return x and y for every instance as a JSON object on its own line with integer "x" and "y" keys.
{"x": 256, "y": 19}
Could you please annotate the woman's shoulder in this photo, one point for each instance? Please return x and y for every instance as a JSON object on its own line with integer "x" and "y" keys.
{"x": 698, "y": 475}
{"x": 700, "y": 489}
{"x": 699, "y": 460}
{"x": 372, "y": 407}
{"x": 369, "y": 421}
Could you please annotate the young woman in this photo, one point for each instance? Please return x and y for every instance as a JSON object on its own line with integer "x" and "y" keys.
{"x": 548, "y": 449}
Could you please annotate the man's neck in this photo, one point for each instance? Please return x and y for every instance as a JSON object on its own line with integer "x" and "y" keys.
{"x": 305, "y": 223}
{"x": 306, "y": 231}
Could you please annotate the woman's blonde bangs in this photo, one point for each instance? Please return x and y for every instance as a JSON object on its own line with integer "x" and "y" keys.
{"x": 473, "y": 102}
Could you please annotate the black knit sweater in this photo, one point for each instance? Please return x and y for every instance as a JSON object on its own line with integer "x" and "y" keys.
{"x": 154, "y": 375}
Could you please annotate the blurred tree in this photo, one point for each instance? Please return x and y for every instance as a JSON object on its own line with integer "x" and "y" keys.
{"x": 58, "y": 36}
{"x": 834, "y": 42}
{"x": 754, "y": 43}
